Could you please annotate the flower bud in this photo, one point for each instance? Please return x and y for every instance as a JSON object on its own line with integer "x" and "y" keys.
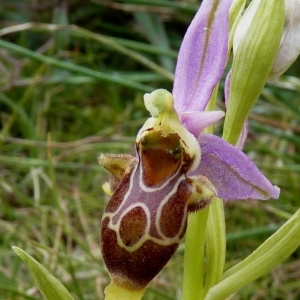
{"x": 255, "y": 45}
{"x": 289, "y": 48}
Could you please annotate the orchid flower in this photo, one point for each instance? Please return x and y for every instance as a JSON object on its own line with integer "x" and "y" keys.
{"x": 201, "y": 63}
{"x": 178, "y": 169}
{"x": 176, "y": 184}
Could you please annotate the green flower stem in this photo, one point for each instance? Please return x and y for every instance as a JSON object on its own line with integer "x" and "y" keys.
{"x": 194, "y": 255}
{"x": 215, "y": 244}
{"x": 271, "y": 253}
{"x": 235, "y": 13}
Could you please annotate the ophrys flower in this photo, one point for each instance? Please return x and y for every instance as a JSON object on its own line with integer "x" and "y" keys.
{"x": 178, "y": 168}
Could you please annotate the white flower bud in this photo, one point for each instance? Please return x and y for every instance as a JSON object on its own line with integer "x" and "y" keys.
{"x": 290, "y": 41}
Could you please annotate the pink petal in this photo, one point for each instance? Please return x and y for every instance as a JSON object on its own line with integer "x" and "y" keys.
{"x": 233, "y": 174}
{"x": 202, "y": 56}
{"x": 196, "y": 121}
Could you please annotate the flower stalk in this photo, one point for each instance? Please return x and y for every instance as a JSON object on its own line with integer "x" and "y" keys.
{"x": 194, "y": 252}
{"x": 215, "y": 244}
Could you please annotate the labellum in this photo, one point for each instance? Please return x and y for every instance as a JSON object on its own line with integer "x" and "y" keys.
{"x": 146, "y": 217}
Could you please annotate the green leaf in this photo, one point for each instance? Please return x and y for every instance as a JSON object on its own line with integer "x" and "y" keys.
{"x": 49, "y": 286}
{"x": 266, "y": 257}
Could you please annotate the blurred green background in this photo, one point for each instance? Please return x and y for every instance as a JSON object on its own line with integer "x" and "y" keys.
{"x": 72, "y": 78}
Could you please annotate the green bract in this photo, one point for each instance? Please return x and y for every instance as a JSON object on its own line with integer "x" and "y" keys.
{"x": 253, "y": 60}
{"x": 49, "y": 286}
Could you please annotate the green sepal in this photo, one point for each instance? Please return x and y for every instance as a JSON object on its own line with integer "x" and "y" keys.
{"x": 49, "y": 286}
{"x": 266, "y": 257}
{"x": 235, "y": 13}
{"x": 252, "y": 63}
